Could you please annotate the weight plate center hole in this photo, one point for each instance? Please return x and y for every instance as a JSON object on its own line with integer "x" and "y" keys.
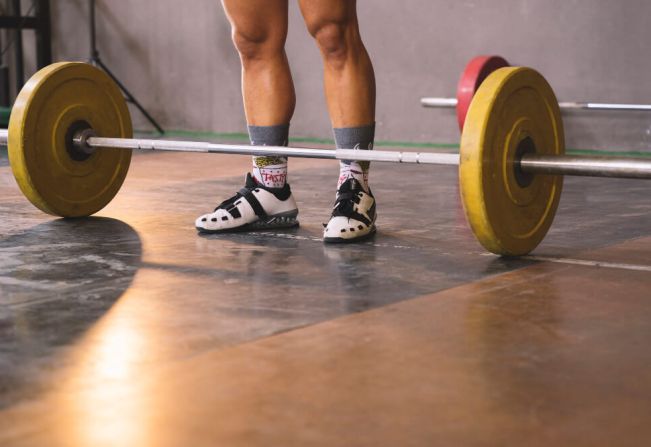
{"x": 525, "y": 146}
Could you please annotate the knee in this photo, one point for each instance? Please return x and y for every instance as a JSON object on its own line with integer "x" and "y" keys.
{"x": 335, "y": 40}
{"x": 256, "y": 45}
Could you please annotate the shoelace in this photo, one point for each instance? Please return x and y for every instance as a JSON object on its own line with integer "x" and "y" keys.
{"x": 345, "y": 204}
{"x": 227, "y": 204}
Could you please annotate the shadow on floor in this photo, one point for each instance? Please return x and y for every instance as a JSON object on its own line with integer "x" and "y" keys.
{"x": 56, "y": 280}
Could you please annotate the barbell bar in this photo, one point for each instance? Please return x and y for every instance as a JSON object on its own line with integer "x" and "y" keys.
{"x": 70, "y": 144}
{"x": 451, "y": 103}
{"x": 589, "y": 166}
{"x": 479, "y": 67}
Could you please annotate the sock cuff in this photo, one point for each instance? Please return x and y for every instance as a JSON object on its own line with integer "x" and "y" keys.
{"x": 277, "y": 135}
{"x": 354, "y": 137}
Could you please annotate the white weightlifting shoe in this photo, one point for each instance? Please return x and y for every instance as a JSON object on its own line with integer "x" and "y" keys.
{"x": 353, "y": 216}
{"x": 254, "y": 207}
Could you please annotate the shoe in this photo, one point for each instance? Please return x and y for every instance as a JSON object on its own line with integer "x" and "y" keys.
{"x": 254, "y": 207}
{"x": 353, "y": 216}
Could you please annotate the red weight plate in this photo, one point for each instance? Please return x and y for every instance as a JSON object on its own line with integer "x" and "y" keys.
{"x": 476, "y": 71}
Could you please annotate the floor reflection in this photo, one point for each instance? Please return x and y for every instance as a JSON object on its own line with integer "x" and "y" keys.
{"x": 518, "y": 330}
{"x": 56, "y": 280}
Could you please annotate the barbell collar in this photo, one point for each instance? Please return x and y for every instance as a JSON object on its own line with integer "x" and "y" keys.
{"x": 80, "y": 140}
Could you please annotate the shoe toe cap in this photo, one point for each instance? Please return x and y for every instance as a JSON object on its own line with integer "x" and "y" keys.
{"x": 202, "y": 221}
{"x": 345, "y": 228}
{"x": 209, "y": 222}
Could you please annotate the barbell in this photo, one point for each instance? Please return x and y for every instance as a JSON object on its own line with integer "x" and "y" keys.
{"x": 480, "y": 67}
{"x": 70, "y": 143}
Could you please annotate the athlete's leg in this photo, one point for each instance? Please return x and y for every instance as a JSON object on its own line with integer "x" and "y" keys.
{"x": 350, "y": 93}
{"x": 259, "y": 32}
{"x": 348, "y": 72}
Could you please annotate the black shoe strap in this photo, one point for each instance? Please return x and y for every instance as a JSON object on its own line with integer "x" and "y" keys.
{"x": 255, "y": 204}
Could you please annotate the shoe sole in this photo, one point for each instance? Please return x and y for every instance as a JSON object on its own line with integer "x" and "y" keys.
{"x": 341, "y": 240}
{"x": 274, "y": 223}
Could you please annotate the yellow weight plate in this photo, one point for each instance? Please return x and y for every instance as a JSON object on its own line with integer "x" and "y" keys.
{"x": 514, "y": 111}
{"x": 56, "y": 101}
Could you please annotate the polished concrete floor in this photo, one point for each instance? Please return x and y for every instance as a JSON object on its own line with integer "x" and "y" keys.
{"x": 130, "y": 329}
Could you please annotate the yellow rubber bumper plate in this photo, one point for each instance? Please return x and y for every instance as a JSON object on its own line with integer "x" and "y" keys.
{"x": 514, "y": 112}
{"x": 57, "y": 101}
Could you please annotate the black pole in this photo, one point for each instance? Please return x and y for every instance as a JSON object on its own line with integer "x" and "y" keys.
{"x": 18, "y": 45}
{"x": 96, "y": 60}
{"x": 129, "y": 96}
{"x": 93, "y": 41}
{"x": 43, "y": 34}
{"x": 5, "y": 99}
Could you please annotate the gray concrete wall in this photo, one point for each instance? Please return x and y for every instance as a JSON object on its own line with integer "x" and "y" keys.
{"x": 177, "y": 58}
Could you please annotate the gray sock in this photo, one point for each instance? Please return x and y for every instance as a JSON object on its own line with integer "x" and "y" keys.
{"x": 269, "y": 135}
{"x": 354, "y": 138}
{"x": 270, "y": 171}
